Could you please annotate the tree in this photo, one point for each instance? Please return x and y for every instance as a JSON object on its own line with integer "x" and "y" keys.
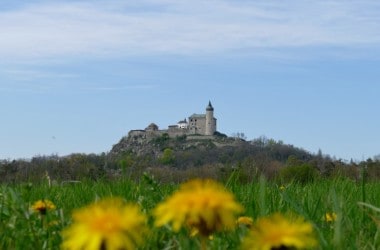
{"x": 167, "y": 157}
{"x": 239, "y": 136}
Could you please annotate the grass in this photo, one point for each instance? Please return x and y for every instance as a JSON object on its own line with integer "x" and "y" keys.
{"x": 355, "y": 227}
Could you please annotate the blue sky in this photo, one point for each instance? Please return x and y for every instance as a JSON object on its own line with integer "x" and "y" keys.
{"x": 76, "y": 76}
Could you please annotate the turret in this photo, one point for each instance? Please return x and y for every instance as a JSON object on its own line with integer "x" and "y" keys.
{"x": 210, "y": 120}
{"x": 209, "y": 107}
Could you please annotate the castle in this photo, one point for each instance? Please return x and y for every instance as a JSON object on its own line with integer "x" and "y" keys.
{"x": 197, "y": 124}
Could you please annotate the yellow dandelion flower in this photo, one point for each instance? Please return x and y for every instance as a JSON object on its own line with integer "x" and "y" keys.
{"x": 42, "y": 206}
{"x": 203, "y": 205}
{"x": 108, "y": 224}
{"x": 330, "y": 217}
{"x": 245, "y": 221}
{"x": 278, "y": 232}
{"x": 282, "y": 187}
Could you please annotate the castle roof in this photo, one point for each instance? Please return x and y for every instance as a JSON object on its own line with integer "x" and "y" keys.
{"x": 152, "y": 126}
{"x": 182, "y": 121}
{"x": 198, "y": 116}
{"x": 209, "y": 107}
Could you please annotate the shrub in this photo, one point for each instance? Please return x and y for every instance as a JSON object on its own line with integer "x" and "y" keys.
{"x": 167, "y": 157}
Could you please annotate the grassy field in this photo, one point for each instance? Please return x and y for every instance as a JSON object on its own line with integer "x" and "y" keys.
{"x": 354, "y": 228}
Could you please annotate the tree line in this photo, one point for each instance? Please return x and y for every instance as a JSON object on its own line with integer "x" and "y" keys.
{"x": 246, "y": 160}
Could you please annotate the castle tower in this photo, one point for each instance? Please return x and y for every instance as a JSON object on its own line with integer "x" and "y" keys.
{"x": 210, "y": 120}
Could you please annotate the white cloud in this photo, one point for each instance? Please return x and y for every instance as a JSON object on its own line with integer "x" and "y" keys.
{"x": 41, "y": 88}
{"x": 119, "y": 88}
{"x": 48, "y": 30}
{"x": 33, "y": 74}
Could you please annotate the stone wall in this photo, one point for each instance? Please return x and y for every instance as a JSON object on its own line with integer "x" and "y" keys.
{"x": 172, "y": 132}
{"x": 200, "y": 137}
{"x": 197, "y": 125}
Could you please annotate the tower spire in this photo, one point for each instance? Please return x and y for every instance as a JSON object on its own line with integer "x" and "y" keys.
{"x": 209, "y": 107}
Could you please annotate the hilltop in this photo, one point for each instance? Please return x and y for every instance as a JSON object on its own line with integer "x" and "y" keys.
{"x": 154, "y": 144}
{"x": 200, "y": 154}
{"x": 177, "y": 158}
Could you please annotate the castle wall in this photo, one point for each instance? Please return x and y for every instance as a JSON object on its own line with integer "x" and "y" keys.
{"x": 137, "y": 133}
{"x": 197, "y": 125}
{"x": 197, "y": 137}
{"x": 150, "y": 134}
{"x": 175, "y": 131}
{"x": 146, "y": 134}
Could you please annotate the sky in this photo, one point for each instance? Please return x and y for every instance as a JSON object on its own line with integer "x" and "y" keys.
{"x": 76, "y": 76}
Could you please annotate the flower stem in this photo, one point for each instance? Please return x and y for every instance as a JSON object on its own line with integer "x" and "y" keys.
{"x": 203, "y": 243}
